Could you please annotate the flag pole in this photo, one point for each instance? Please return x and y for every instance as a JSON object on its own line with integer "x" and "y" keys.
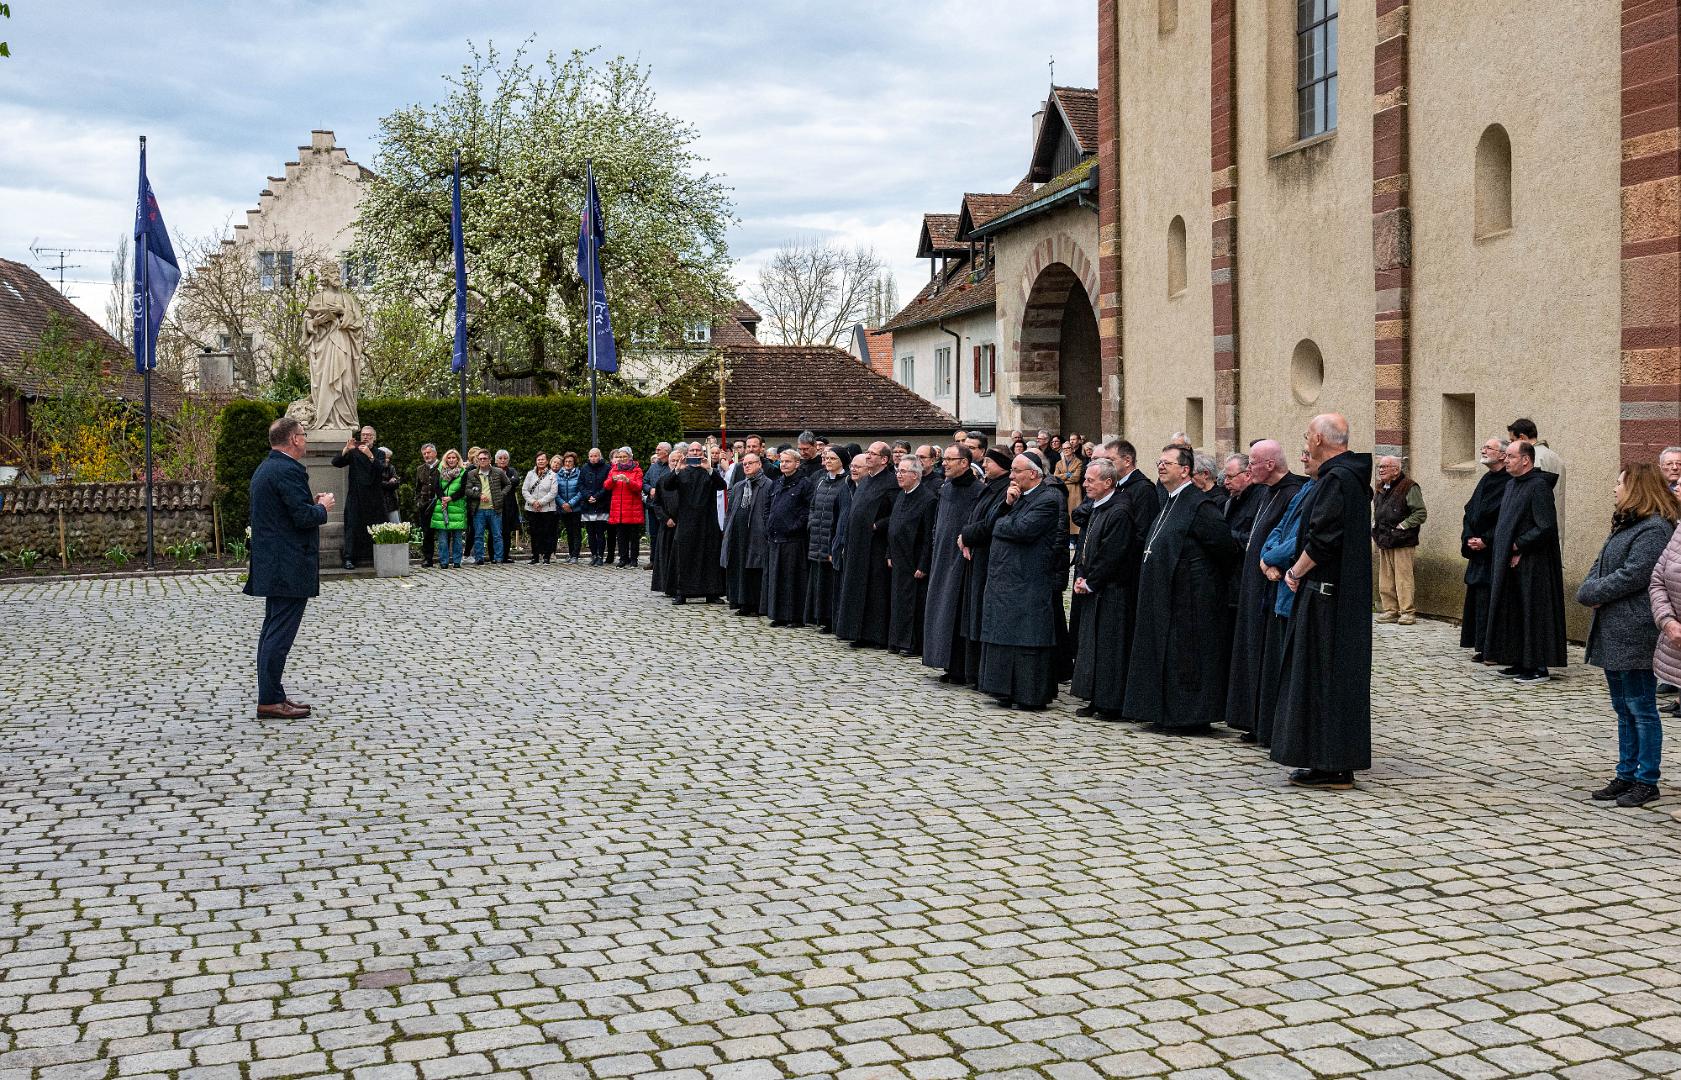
{"x": 589, "y": 299}
{"x": 459, "y": 243}
{"x": 144, "y": 355}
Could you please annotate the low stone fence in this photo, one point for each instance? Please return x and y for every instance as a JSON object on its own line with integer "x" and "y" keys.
{"x": 97, "y": 517}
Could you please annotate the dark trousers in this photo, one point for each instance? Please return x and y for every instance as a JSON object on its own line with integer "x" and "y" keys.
{"x": 428, "y": 538}
{"x": 542, "y": 525}
{"x": 570, "y": 521}
{"x": 629, "y": 539}
{"x": 281, "y": 617}
{"x": 600, "y": 549}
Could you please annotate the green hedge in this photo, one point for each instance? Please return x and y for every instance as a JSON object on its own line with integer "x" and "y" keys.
{"x": 520, "y": 425}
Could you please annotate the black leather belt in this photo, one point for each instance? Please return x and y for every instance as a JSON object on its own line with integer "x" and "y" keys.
{"x": 1323, "y": 588}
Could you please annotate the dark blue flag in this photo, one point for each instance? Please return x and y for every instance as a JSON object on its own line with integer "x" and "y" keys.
{"x": 458, "y": 362}
{"x": 604, "y": 356}
{"x": 156, "y": 272}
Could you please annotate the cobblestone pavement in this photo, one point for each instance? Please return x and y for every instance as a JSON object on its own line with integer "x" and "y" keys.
{"x": 778, "y": 858}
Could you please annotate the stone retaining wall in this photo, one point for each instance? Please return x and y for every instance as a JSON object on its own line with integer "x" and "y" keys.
{"x": 98, "y": 517}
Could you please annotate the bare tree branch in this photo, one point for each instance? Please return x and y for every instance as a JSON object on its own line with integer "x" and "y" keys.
{"x": 811, "y": 292}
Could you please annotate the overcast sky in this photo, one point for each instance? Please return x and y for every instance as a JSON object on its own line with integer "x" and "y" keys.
{"x": 840, "y": 120}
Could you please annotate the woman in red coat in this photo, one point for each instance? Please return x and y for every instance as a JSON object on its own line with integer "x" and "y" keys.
{"x": 625, "y": 512}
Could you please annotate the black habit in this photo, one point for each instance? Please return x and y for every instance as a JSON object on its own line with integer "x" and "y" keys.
{"x": 690, "y": 497}
{"x": 786, "y": 565}
{"x": 910, "y": 551}
{"x": 1253, "y": 616}
{"x": 1240, "y": 512}
{"x": 1176, "y": 675}
{"x": 1526, "y": 601}
{"x": 945, "y": 578}
{"x": 1111, "y": 547}
{"x": 1324, "y": 715}
{"x": 977, "y": 537}
{"x": 746, "y": 542}
{"x": 1024, "y": 599}
{"x": 364, "y": 503}
{"x": 866, "y": 584}
{"x": 831, "y": 501}
{"x": 1482, "y": 513}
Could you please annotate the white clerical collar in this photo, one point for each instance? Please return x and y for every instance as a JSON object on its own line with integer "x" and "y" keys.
{"x": 1105, "y": 498}
{"x": 1174, "y": 494}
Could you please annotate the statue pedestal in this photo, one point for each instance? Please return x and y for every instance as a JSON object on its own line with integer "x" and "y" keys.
{"x": 324, "y": 445}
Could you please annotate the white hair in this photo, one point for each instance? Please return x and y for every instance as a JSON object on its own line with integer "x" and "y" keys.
{"x": 1031, "y": 463}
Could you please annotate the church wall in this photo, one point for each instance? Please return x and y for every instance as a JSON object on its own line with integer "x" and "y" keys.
{"x": 1066, "y": 234}
{"x": 1525, "y": 321}
{"x": 1166, "y": 327}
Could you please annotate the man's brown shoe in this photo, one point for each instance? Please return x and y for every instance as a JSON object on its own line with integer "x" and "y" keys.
{"x": 281, "y": 710}
{"x": 303, "y": 710}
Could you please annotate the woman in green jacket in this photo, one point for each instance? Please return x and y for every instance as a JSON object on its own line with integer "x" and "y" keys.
{"x": 449, "y": 513}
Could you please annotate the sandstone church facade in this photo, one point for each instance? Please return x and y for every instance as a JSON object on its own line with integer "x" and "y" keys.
{"x": 1433, "y": 218}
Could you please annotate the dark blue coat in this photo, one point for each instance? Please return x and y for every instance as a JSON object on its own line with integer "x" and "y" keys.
{"x": 285, "y": 530}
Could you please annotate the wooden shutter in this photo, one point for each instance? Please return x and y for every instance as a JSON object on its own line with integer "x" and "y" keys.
{"x": 977, "y": 369}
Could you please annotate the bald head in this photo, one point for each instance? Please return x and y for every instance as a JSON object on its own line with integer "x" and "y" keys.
{"x": 1266, "y": 463}
{"x": 1326, "y": 437}
{"x": 1332, "y": 427}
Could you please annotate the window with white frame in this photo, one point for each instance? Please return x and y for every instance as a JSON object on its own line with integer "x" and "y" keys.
{"x": 986, "y": 367}
{"x": 906, "y": 373}
{"x": 698, "y": 332}
{"x": 942, "y": 372}
{"x": 274, "y": 269}
{"x": 357, "y": 272}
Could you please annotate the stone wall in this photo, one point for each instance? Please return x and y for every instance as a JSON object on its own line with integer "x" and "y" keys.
{"x": 97, "y": 517}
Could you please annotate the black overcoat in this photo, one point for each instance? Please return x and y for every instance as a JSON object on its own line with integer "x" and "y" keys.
{"x": 364, "y": 504}
{"x": 945, "y": 578}
{"x": 1255, "y": 596}
{"x": 910, "y": 550}
{"x": 977, "y": 537}
{"x": 1024, "y": 570}
{"x": 1176, "y": 675}
{"x": 690, "y": 497}
{"x": 786, "y": 565}
{"x": 747, "y": 533}
{"x": 1240, "y": 512}
{"x": 1482, "y": 513}
{"x": 1324, "y": 715}
{"x": 1111, "y": 544}
{"x": 866, "y": 584}
{"x": 285, "y": 530}
{"x": 1526, "y": 601}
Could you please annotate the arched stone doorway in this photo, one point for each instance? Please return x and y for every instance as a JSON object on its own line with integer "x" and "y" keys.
{"x": 1060, "y": 381}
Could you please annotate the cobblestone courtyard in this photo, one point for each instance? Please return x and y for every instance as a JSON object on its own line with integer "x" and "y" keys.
{"x": 502, "y": 847}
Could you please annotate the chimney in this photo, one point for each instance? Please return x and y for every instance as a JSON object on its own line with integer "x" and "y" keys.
{"x": 1038, "y": 123}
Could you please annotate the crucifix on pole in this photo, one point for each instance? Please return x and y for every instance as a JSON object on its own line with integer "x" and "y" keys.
{"x": 723, "y": 427}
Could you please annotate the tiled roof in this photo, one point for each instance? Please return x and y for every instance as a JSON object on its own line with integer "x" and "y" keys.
{"x": 880, "y": 343}
{"x": 26, "y": 301}
{"x": 1079, "y": 104}
{"x": 733, "y": 329}
{"x": 947, "y": 295}
{"x": 939, "y": 236}
{"x": 1023, "y": 188}
{"x": 979, "y": 209}
{"x": 788, "y": 388}
{"x": 1031, "y": 206}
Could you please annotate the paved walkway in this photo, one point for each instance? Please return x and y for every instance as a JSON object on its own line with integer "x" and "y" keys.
{"x": 502, "y": 848}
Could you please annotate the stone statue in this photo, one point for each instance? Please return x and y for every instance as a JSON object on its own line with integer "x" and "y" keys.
{"x": 333, "y": 328}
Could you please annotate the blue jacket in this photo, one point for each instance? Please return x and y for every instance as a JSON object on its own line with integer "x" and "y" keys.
{"x": 285, "y": 530}
{"x": 1283, "y": 547}
{"x": 569, "y": 488}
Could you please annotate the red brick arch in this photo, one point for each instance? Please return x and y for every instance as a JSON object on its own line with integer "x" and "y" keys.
{"x": 1056, "y": 265}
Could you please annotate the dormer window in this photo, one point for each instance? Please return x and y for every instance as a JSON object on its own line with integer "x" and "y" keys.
{"x": 698, "y": 332}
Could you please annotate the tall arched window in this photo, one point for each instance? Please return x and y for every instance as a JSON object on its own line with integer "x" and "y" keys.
{"x": 1316, "y": 67}
{"x": 1494, "y": 183}
{"x": 1176, "y": 256}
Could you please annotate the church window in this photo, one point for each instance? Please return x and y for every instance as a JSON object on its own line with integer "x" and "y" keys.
{"x": 1493, "y": 183}
{"x": 1316, "y": 67}
{"x": 1176, "y": 275}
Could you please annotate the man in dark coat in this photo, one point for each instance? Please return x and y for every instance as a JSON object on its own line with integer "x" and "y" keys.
{"x": 1526, "y": 582}
{"x": 653, "y": 520}
{"x": 787, "y": 526}
{"x": 286, "y": 525}
{"x": 910, "y": 556}
{"x": 974, "y": 542}
{"x": 1121, "y": 509}
{"x": 1024, "y": 590}
{"x": 1476, "y": 534}
{"x": 1176, "y": 675}
{"x": 946, "y": 570}
{"x": 510, "y": 504}
{"x": 364, "y": 505}
{"x": 689, "y": 497}
{"x": 866, "y": 583}
{"x": 426, "y": 497}
{"x": 1243, "y": 498}
{"x": 1254, "y": 649}
{"x": 747, "y": 537}
{"x": 1323, "y": 724}
{"x": 811, "y": 457}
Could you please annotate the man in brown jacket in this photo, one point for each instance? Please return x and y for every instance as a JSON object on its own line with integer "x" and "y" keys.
{"x": 1397, "y": 512}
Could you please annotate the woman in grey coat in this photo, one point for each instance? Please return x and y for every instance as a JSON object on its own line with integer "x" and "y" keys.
{"x": 1623, "y": 635}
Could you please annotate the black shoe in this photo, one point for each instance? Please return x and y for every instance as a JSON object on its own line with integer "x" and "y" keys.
{"x": 1530, "y": 678}
{"x": 1638, "y": 795}
{"x": 348, "y": 565}
{"x": 533, "y": 560}
{"x": 545, "y": 560}
{"x": 1248, "y": 737}
{"x": 1511, "y": 673}
{"x": 1318, "y": 778}
{"x": 427, "y": 565}
{"x": 677, "y": 600}
{"x": 1109, "y": 716}
{"x": 944, "y": 676}
{"x": 1086, "y": 710}
{"x": 1610, "y": 791}
{"x": 1002, "y": 703}
{"x": 1194, "y": 731}
{"x": 857, "y": 645}
{"x": 1673, "y": 709}
{"x": 779, "y": 622}
{"x": 1477, "y": 658}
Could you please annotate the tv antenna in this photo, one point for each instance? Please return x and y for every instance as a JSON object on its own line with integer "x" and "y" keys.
{"x": 45, "y": 255}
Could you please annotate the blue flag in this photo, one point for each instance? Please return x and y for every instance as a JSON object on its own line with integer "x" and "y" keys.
{"x": 604, "y": 356}
{"x": 156, "y": 272}
{"x": 458, "y": 362}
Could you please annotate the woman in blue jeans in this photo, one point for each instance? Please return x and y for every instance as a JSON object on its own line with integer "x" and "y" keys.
{"x": 1619, "y": 588}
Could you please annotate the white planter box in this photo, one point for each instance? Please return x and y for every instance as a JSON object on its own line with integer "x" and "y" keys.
{"x": 391, "y": 560}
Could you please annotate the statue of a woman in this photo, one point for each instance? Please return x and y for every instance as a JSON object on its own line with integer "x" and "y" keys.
{"x": 333, "y": 334}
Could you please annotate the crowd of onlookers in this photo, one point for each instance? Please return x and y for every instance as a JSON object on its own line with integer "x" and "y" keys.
{"x": 605, "y": 505}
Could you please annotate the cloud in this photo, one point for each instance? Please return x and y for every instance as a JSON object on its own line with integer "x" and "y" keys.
{"x": 844, "y": 122}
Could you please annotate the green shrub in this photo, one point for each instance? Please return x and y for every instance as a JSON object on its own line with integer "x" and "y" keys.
{"x": 520, "y": 425}
{"x": 118, "y": 555}
{"x": 28, "y": 557}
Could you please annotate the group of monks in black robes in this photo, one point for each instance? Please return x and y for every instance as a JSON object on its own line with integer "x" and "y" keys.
{"x": 1174, "y": 621}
